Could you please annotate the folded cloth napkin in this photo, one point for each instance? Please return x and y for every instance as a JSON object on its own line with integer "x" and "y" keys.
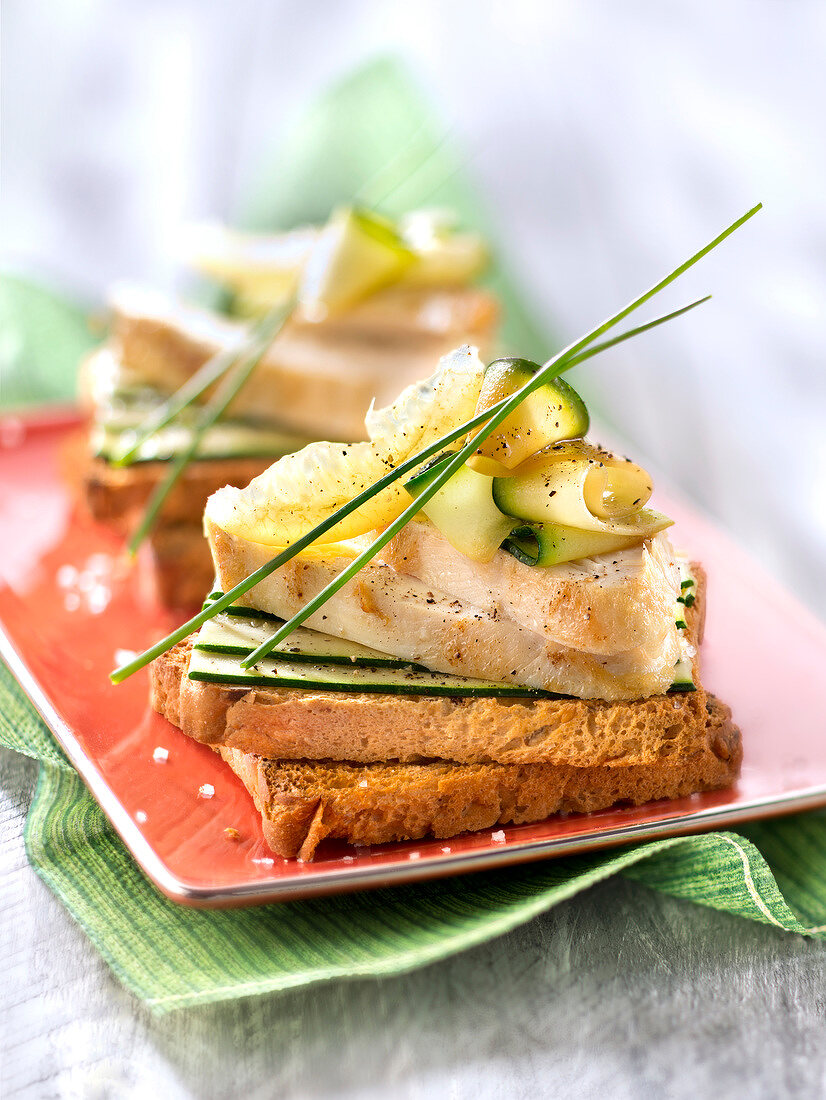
{"x": 173, "y": 957}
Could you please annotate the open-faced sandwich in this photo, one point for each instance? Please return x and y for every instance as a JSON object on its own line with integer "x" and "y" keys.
{"x": 472, "y": 618}
{"x": 526, "y": 645}
{"x": 398, "y": 296}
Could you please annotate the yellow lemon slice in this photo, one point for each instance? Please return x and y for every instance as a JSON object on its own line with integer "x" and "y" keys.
{"x": 261, "y": 270}
{"x": 356, "y": 253}
{"x": 444, "y": 257}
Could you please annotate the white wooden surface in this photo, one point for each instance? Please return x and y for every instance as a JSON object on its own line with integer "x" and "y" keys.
{"x": 618, "y": 993}
{"x": 650, "y": 126}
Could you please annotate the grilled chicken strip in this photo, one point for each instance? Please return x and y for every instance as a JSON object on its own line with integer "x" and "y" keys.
{"x": 605, "y": 605}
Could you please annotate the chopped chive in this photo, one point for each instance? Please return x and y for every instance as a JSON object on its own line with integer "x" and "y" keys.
{"x": 681, "y": 625}
{"x": 687, "y": 584}
{"x": 690, "y": 600}
{"x": 229, "y": 386}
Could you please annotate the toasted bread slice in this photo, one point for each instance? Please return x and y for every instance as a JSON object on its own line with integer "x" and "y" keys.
{"x": 301, "y": 803}
{"x": 313, "y": 380}
{"x": 371, "y": 769}
{"x": 300, "y": 724}
{"x": 175, "y": 566}
{"x": 413, "y": 313}
{"x": 117, "y": 496}
{"x": 398, "y": 614}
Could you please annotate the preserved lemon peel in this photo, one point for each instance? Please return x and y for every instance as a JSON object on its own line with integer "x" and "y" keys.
{"x": 302, "y": 489}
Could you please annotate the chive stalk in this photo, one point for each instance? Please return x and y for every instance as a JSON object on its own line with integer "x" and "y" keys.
{"x": 207, "y": 375}
{"x": 574, "y": 353}
{"x": 192, "y": 389}
{"x": 550, "y": 370}
{"x": 234, "y": 378}
{"x": 225, "y": 600}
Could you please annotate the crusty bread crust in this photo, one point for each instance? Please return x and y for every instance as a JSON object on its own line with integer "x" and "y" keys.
{"x": 302, "y": 803}
{"x": 175, "y": 562}
{"x": 117, "y": 497}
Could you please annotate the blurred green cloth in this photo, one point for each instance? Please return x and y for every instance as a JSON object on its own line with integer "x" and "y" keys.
{"x": 174, "y": 957}
{"x": 42, "y": 339}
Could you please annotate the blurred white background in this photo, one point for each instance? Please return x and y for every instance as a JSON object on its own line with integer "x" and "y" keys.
{"x": 608, "y": 139}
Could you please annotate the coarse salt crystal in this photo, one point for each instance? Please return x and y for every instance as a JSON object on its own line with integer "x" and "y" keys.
{"x": 498, "y": 837}
{"x": 415, "y": 855}
{"x": 206, "y": 790}
{"x": 66, "y": 576}
{"x": 160, "y": 755}
{"x": 140, "y": 817}
{"x": 98, "y": 599}
{"x": 363, "y": 783}
{"x": 86, "y": 581}
{"x": 446, "y": 851}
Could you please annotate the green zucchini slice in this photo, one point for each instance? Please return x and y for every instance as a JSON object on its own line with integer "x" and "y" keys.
{"x": 240, "y": 634}
{"x": 225, "y": 668}
{"x": 226, "y": 439}
{"x": 545, "y": 544}
{"x": 550, "y": 414}
{"x": 463, "y": 510}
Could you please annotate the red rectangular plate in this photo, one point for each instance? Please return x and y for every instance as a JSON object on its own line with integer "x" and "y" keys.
{"x": 70, "y": 603}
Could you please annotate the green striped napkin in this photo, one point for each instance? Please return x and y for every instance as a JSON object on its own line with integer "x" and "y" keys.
{"x": 173, "y": 957}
